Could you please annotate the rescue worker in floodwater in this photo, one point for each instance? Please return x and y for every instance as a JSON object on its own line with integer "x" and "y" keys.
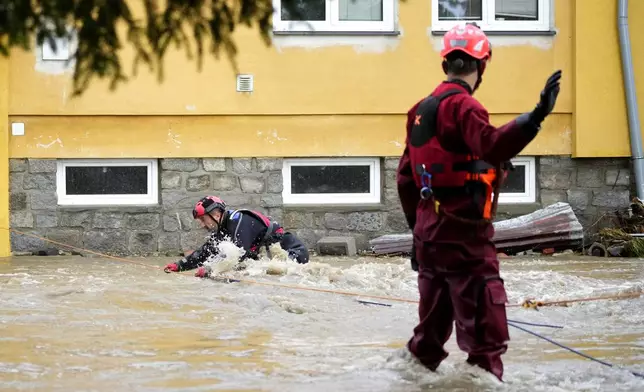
{"x": 453, "y": 162}
{"x": 250, "y": 230}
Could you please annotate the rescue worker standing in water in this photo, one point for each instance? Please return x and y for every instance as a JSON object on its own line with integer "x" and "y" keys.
{"x": 447, "y": 174}
{"x": 247, "y": 229}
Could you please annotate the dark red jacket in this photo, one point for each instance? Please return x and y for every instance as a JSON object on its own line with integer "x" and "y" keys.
{"x": 462, "y": 126}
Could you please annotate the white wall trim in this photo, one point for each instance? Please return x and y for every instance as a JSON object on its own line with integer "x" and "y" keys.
{"x": 151, "y": 198}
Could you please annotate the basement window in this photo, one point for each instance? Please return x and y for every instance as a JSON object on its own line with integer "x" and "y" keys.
{"x": 335, "y": 16}
{"x": 107, "y": 182}
{"x": 331, "y": 181}
{"x": 521, "y": 185}
{"x": 493, "y": 15}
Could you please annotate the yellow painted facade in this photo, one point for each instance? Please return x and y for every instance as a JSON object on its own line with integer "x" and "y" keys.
{"x": 308, "y": 97}
{"x": 325, "y": 96}
{"x": 5, "y": 248}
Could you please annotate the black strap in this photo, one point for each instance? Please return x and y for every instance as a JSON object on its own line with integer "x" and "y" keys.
{"x": 424, "y": 126}
{"x": 269, "y": 231}
{"x": 265, "y": 241}
{"x": 475, "y": 166}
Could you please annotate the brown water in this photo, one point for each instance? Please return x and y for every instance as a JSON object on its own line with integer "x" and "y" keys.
{"x": 93, "y": 324}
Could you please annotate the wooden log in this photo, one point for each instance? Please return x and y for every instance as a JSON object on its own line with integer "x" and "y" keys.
{"x": 555, "y": 226}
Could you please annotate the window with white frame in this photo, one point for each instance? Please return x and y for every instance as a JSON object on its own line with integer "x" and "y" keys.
{"x": 493, "y": 15}
{"x": 318, "y": 181}
{"x": 334, "y": 16}
{"x": 107, "y": 182}
{"x": 521, "y": 184}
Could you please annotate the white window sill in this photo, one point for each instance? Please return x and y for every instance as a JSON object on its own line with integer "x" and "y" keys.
{"x": 338, "y": 33}
{"x": 130, "y": 208}
{"x": 340, "y": 207}
{"x": 119, "y": 206}
{"x": 441, "y": 32}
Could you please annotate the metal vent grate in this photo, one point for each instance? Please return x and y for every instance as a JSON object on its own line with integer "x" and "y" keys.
{"x": 245, "y": 83}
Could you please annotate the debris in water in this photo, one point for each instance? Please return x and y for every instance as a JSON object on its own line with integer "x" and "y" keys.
{"x": 292, "y": 308}
{"x": 617, "y": 243}
{"x": 276, "y": 269}
{"x": 65, "y": 293}
{"x": 288, "y": 305}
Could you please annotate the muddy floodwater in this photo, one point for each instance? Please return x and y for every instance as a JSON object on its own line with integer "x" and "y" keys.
{"x": 97, "y": 324}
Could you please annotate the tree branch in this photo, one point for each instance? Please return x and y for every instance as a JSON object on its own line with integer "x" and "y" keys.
{"x": 94, "y": 26}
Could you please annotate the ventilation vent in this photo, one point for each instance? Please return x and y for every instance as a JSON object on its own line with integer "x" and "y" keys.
{"x": 62, "y": 51}
{"x": 244, "y": 83}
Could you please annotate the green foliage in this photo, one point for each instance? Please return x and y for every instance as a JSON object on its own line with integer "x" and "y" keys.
{"x": 192, "y": 25}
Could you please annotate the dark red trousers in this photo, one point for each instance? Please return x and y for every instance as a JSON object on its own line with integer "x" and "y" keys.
{"x": 471, "y": 296}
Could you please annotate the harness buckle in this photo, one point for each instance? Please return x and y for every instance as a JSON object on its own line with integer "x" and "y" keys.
{"x": 426, "y": 191}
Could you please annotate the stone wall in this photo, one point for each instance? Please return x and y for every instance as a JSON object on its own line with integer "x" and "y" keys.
{"x": 595, "y": 188}
{"x": 592, "y": 187}
{"x": 169, "y": 228}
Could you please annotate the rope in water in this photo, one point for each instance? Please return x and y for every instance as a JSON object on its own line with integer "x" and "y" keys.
{"x": 511, "y": 323}
{"x": 526, "y": 304}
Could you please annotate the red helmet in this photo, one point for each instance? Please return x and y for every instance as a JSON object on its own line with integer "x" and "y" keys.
{"x": 468, "y": 38}
{"x": 206, "y": 205}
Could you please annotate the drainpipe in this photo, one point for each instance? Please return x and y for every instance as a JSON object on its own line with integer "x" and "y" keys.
{"x": 637, "y": 155}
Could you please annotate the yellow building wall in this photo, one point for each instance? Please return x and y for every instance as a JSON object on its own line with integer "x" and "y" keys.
{"x": 5, "y": 247}
{"x": 600, "y": 116}
{"x": 322, "y": 96}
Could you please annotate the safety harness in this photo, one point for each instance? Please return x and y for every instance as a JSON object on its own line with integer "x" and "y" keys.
{"x": 272, "y": 228}
{"x": 444, "y": 172}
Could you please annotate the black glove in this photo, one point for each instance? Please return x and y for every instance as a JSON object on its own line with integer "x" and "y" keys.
{"x": 548, "y": 99}
{"x": 414, "y": 263}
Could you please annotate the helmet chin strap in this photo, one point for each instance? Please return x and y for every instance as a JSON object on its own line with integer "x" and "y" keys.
{"x": 217, "y": 222}
{"x": 479, "y": 79}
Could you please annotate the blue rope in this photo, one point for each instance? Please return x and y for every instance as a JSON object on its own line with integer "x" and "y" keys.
{"x": 572, "y": 349}
{"x": 535, "y": 325}
{"x": 372, "y": 303}
{"x": 513, "y": 324}
{"x": 514, "y": 321}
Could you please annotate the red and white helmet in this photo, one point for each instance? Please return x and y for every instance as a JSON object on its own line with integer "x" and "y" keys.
{"x": 468, "y": 38}
{"x": 206, "y": 205}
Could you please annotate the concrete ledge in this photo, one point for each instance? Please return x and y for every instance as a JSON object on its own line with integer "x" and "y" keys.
{"x": 336, "y": 246}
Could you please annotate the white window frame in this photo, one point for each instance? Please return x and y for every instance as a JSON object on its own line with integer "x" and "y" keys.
{"x": 530, "y": 194}
{"x": 151, "y": 198}
{"x": 333, "y": 22}
{"x": 488, "y": 23}
{"x": 373, "y": 197}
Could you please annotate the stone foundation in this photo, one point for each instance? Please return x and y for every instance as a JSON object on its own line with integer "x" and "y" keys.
{"x": 593, "y": 187}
